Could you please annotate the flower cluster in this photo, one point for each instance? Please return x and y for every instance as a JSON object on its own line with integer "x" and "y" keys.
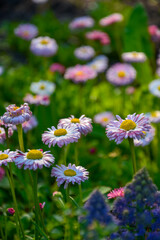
{"x": 138, "y": 211}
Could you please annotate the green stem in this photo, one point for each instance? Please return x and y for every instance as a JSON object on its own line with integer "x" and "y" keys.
{"x": 76, "y": 154}
{"x": 1, "y": 230}
{"x": 65, "y": 154}
{"x": 80, "y": 187}
{"x": 20, "y": 137}
{"x": 36, "y": 203}
{"x": 131, "y": 143}
{"x": 10, "y": 178}
{"x": 5, "y": 222}
{"x": 7, "y": 139}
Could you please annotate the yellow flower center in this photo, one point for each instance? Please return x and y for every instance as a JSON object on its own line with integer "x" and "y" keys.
{"x": 44, "y": 42}
{"x": 159, "y": 87}
{"x": 134, "y": 54}
{"x": 3, "y": 156}
{"x": 0, "y": 131}
{"x": 34, "y": 154}
{"x": 75, "y": 120}
{"x": 144, "y": 133}
{"x": 42, "y": 87}
{"x": 105, "y": 119}
{"x": 128, "y": 125}
{"x": 60, "y": 132}
{"x": 121, "y": 74}
{"x": 79, "y": 73}
{"x": 69, "y": 172}
{"x": 25, "y": 33}
{"x": 154, "y": 114}
{"x": 15, "y": 108}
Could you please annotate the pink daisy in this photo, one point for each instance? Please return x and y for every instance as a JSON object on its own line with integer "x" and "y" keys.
{"x": 57, "y": 67}
{"x": 37, "y": 99}
{"x": 118, "y": 192}
{"x": 99, "y": 36}
{"x": 113, "y": 18}
{"x": 81, "y": 22}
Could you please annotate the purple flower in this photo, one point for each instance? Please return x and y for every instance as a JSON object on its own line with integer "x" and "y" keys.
{"x": 134, "y": 57}
{"x": 37, "y": 99}
{"x": 146, "y": 139}
{"x": 133, "y": 126}
{"x": 71, "y": 174}
{"x": 121, "y": 74}
{"x": 43, "y": 46}
{"x": 26, "y": 31}
{"x": 154, "y": 116}
{"x": 84, "y": 52}
{"x": 61, "y": 136}
{"x": 99, "y": 64}
{"x": 34, "y": 159}
{"x": 81, "y": 22}
{"x": 57, "y": 67}
{"x": 83, "y": 124}
{"x": 17, "y": 115}
{"x": 32, "y": 123}
{"x": 80, "y": 73}
{"x": 103, "y": 118}
{"x": 7, "y": 156}
{"x": 113, "y": 18}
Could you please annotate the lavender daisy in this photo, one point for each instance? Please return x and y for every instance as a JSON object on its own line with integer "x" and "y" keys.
{"x": 71, "y": 174}
{"x": 43, "y": 87}
{"x": 154, "y": 116}
{"x": 134, "y": 57}
{"x": 34, "y": 159}
{"x": 26, "y": 31}
{"x": 83, "y": 124}
{"x": 81, "y": 22}
{"x": 84, "y": 52}
{"x": 37, "y": 99}
{"x": 80, "y": 73}
{"x": 154, "y": 87}
{"x": 133, "y": 126}
{"x": 146, "y": 139}
{"x": 17, "y": 115}
{"x": 43, "y": 46}
{"x": 99, "y": 64}
{"x": 7, "y": 156}
{"x": 121, "y": 74}
{"x": 104, "y": 118}
{"x": 61, "y": 136}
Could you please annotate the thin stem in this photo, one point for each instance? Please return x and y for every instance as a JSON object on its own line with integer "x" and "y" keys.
{"x": 10, "y": 178}
{"x": 1, "y": 230}
{"x": 7, "y": 139}
{"x": 20, "y": 137}
{"x": 5, "y": 223}
{"x": 65, "y": 154}
{"x": 131, "y": 143}
{"x": 80, "y": 187}
{"x": 76, "y": 154}
{"x": 36, "y": 202}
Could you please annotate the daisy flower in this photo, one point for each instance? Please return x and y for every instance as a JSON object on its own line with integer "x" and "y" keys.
{"x": 154, "y": 87}
{"x": 154, "y": 31}
{"x": 32, "y": 123}
{"x": 134, "y": 57}
{"x": 154, "y": 116}
{"x": 113, "y": 18}
{"x": 121, "y": 74}
{"x": 80, "y": 73}
{"x": 146, "y": 139}
{"x": 118, "y": 192}
{"x": 84, "y": 52}
{"x": 44, "y": 88}
{"x": 43, "y": 46}
{"x": 57, "y": 67}
{"x": 134, "y": 126}
{"x": 99, "y": 36}
{"x": 26, "y": 31}
{"x": 7, "y": 156}
{"x": 71, "y": 174}
{"x": 103, "y": 118}
{"x": 60, "y": 136}
{"x": 99, "y": 64}
{"x": 3, "y": 134}
{"x": 37, "y": 99}
{"x": 34, "y": 159}
{"x": 16, "y": 115}
{"x": 81, "y": 22}
{"x": 83, "y": 124}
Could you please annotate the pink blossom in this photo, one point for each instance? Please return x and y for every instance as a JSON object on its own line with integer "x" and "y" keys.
{"x": 119, "y": 192}
{"x": 100, "y": 36}
{"x": 57, "y": 67}
{"x": 10, "y": 211}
